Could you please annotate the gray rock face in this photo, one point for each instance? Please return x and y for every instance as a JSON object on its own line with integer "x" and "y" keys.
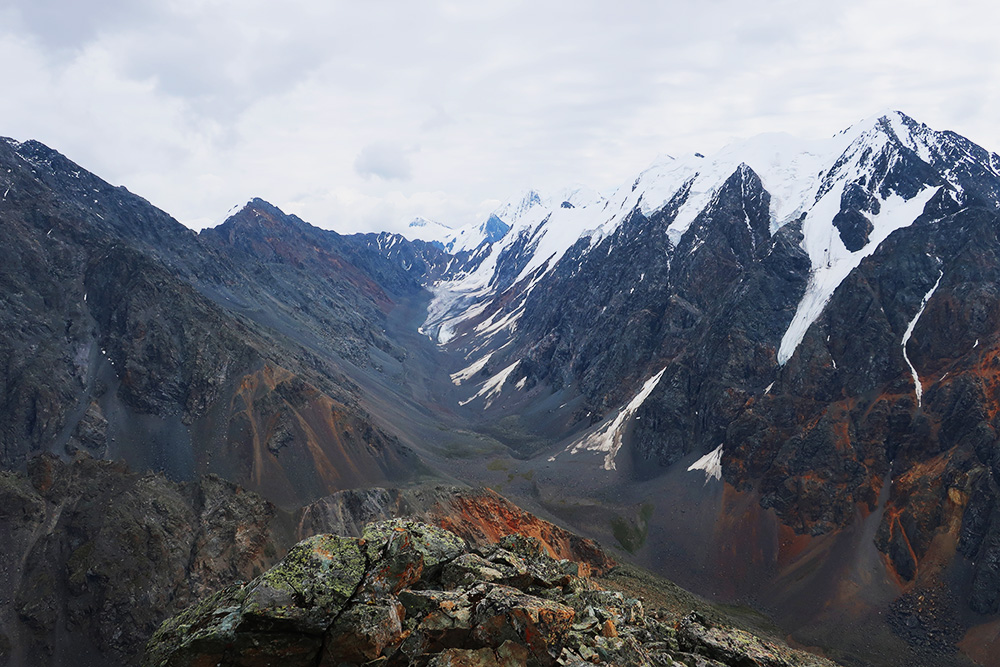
{"x": 96, "y": 556}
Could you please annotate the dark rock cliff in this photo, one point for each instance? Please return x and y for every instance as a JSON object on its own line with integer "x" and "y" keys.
{"x": 95, "y": 556}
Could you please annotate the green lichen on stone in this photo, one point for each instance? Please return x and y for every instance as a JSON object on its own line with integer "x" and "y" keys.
{"x": 205, "y": 628}
{"x": 310, "y": 586}
{"x": 469, "y": 569}
{"x": 436, "y": 545}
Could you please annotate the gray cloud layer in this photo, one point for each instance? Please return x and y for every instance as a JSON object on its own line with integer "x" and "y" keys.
{"x": 320, "y": 106}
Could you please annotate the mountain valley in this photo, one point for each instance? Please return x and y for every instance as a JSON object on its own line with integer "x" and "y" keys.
{"x": 770, "y": 375}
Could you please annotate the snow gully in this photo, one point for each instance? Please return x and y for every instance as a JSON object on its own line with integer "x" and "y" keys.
{"x": 918, "y": 388}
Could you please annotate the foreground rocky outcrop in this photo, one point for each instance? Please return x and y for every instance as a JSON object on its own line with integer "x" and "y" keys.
{"x": 408, "y": 593}
{"x": 94, "y": 556}
{"x": 479, "y": 516}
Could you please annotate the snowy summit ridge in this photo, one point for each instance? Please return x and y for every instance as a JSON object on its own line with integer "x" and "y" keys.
{"x": 807, "y": 180}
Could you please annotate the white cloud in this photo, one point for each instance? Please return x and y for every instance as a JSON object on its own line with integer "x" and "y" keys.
{"x": 383, "y": 160}
{"x": 318, "y": 106}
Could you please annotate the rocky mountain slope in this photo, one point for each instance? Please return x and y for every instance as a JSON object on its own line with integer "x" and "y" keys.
{"x": 96, "y": 556}
{"x": 129, "y": 337}
{"x": 408, "y": 593}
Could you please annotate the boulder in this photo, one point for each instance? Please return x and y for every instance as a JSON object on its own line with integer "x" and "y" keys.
{"x": 308, "y": 588}
{"x": 505, "y": 613}
{"x": 403, "y": 549}
{"x": 364, "y": 631}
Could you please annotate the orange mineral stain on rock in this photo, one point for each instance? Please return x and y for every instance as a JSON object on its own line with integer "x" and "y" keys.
{"x": 292, "y": 442}
{"x": 484, "y": 517}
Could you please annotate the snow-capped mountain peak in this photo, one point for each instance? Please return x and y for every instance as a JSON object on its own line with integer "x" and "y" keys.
{"x": 431, "y": 231}
{"x": 849, "y": 192}
{"x": 513, "y": 210}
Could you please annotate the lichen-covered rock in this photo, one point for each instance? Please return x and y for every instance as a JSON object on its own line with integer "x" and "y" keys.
{"x": 279, "y": 617}
{"x": 469, "y": 569}
{"x": 529, "y": 559}
{"x": 731, "y": 646}
{"x": 524, "y": 546}
{"x": 338, "y": 601}
{"x": 512, "y": 654}
{"x": 308, "y": 588}
{"x": 199, "y": 633}
{"x": 509, "y": 654}
{"x": 460, "y": 657}
{"x": 405, "y": 550}
{"x": 364, "y": 630}
{"x": 509, "y": 563}
{"x": 505, "y": 613}
{"x": 438, "y": 611}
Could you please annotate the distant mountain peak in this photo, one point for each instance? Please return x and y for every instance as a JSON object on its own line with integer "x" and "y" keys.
{"x": 431, "y": 231}
{"x": 514, "y": 209}
{"x": 423, "y": 222}
{"x": 257, "y": 216}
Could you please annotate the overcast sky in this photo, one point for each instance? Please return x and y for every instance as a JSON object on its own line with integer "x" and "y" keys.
{"x": 362, "y": 115}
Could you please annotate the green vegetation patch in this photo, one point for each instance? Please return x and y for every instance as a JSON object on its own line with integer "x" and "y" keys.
{"x": 631, "y": 535}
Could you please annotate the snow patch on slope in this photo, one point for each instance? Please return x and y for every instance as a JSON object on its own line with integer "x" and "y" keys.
{"x": 832, "y": 262}
{"x": 491, "y": 389}
{"x": 471, "y": 370}
{"x": 608, "y": 438}
{"x": 710, "y": 463}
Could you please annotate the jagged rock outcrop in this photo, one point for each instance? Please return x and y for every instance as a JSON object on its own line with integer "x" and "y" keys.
{"x": 94, "y": 556}
{"x": 479, "y": 516}
{"x": 407, "y": 593}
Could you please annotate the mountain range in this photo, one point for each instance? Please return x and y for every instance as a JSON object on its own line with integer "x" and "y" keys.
{"x": 769, "y": 374}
